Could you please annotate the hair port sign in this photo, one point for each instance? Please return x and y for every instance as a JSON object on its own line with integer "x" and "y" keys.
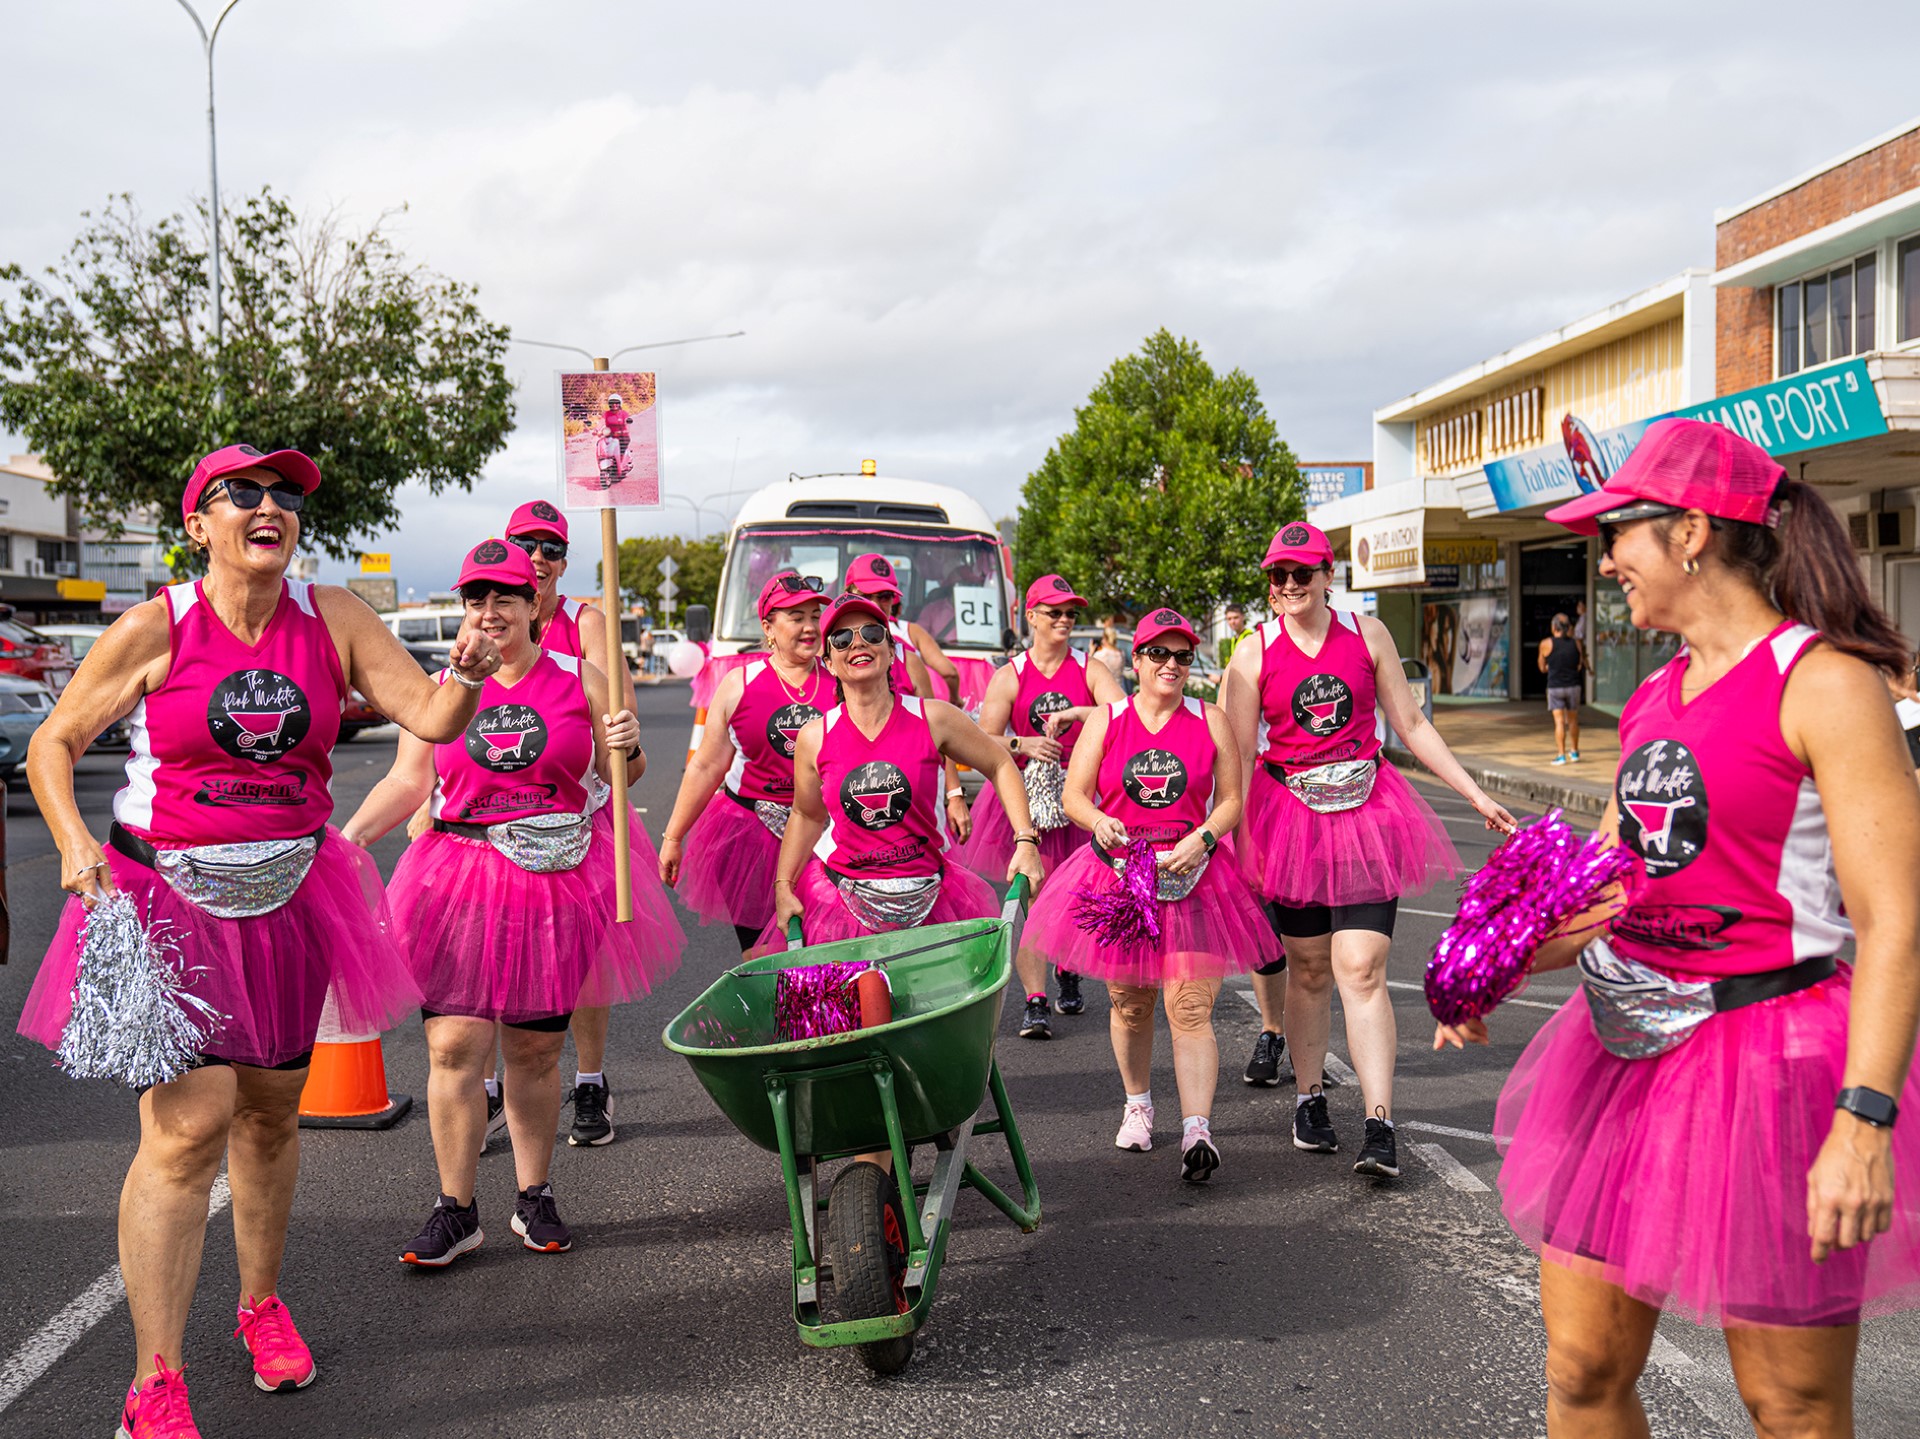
{"x": 1389, "y": 551}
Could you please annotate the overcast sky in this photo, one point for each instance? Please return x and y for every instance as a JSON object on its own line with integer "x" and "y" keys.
{"x": 939, "y": 225}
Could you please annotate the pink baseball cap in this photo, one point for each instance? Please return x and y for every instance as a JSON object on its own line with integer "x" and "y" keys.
{"x": 499, "y": 562}
{"x": 288, "y": 464}
{"x": 1157, "y": 624}
{"x": 850, "y": 604}
{"x": 538, "y": 517}
{"x": 1052, "y": 590}
{"x": 1689, "y": 465}
{"x": 1298, "y": 543}
{"x": 788, "y": 590}
{"x": 873, "y": 575}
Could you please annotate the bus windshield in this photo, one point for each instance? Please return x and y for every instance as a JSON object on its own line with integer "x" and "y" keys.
{"x": 950, "y": 581}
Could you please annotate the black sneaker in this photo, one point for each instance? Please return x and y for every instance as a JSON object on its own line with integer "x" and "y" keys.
{"x": 496, "y": 1118}
{"x": 1264, "y": 1067}
{"x": 1199, "y": 1159}
{"x": 592, "y": 1115}
{"x": 1035, "y": 1024}
{"x": 536, "y": 1219}
{"x": 1378, "y": 1155}
{"x": 451, "y": 1231}
{"x": 1070, "y": 1001}
{"x": 1312, "y": 1129}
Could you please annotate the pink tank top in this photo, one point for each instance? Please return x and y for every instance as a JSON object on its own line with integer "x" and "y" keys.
{"x": 1738, "y": 869}
{"x": 885, "y": 819}
{"x": 526, "y": 751}
{"x": 1319, "y": 710}
{"x": 562, "y": 633}
{"x": 1036, "y": 696}
{"x": 765, "y": 724}
{"x": 903, "y": 646}
{"x": 1159, "y": 785}
{"x": 237, "y": 743}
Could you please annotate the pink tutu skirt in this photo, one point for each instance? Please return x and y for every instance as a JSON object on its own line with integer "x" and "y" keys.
{"x": 727, "y": 865}
{"x": 989, "y": 848}
{"x": 824, "y": 916}
{"x": 657, "y": 931}
{"x": 1217, "y": 930}
{"x": 267, "y": 974}
{"x": 1683, "y": 1178}
{"x": 975, "y": 676}
{"x": 1392, "y": 845}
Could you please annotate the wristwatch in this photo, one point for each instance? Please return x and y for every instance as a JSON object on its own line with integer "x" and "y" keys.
{"x": 1869, "y": 1105}
{"x": 1208, "y": 838}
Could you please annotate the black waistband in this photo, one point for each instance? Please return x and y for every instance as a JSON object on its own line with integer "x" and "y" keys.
{"x": 465, "y": 831}
{"x": 746, "y": 803}
{"x": 1740, "y": 990}
{"x": 140, "y": 852}
{"x": 836, "y": 876}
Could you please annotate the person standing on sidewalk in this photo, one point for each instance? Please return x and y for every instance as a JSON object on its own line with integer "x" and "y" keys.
{"x": 1563, "y": 660}
{"x": 1332, "y": 836}
{"x": 1710, "y": 1127}
{"x": 1045, "y": 696}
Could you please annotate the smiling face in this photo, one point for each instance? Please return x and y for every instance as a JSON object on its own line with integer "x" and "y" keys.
{"x": 1163, "y": 677}
{"x": 863, "y": 661}
{"x": 1291, "y": 598}
{"x": 547, "y": 571}
{"x": 503, "y": 618}
{"x": 1645, "y": 559}
{"x": 793, "y": 632}
{"x": 248, "y": 543}
{"x": 1052, "y": 623}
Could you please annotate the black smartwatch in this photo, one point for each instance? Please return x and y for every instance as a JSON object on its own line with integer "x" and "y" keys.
{"x": 1208, "y": 838}
{"x": 1870, "y": 1106}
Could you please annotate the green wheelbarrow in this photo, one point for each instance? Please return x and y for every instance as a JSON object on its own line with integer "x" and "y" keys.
{"x": 876, "y": 1241}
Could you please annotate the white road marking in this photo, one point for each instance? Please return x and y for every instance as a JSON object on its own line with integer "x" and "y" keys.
{"x": 46, "y": 1347}
{"x": 1447, "y": 1129}
{"x": 1422, "y": 989}
{"x": 1667, "y": 1355}
{"x": 1456, "y": 1174}
{"x": 1429, "y": 913}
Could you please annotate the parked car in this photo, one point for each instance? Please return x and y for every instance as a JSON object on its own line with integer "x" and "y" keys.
{"x": 79, "y": 639}
{"x": 24, "y": 706}
{"x": 25, "y": 651}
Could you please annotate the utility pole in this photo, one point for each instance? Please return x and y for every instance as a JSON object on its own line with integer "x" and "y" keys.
{"x": 207, "y": 40}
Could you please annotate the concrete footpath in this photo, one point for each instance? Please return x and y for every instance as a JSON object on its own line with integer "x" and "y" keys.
{"x": 1508, "y": 749}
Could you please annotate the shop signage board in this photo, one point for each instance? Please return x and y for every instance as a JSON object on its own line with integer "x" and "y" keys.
{"x": 1327, "y": 483}
{"x": 1389, "y": 551}
{"x": 375, "y": 563}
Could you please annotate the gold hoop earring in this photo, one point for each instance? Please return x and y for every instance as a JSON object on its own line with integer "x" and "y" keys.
{"x": 1690, "y": 566}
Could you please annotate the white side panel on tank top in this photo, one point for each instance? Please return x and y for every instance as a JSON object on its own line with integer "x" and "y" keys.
{"x": 1807, "y": 880}
{"x": 737, "y": 771}
{"x": 133, "y": 805}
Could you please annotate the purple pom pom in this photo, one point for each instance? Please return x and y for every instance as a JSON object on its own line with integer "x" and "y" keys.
{"x": 813, "y": 1000}
{"x": 1126, "y": 917}
{"x": 1530, "y": 887}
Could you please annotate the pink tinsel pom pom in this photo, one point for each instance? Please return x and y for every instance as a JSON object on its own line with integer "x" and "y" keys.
{"x": 1128, "y": 916}
{"x": 1530, "y": 887}
{"x": 813, "y": 1000}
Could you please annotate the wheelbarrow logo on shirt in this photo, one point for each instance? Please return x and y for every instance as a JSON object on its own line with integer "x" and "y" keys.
{"x": 1050, "y": 703}
{"x": 506, "y": 738}
{"x": 876, "y": 795}
{"x": 1663, "y": 806}
{"x": 1322, "y": 705}
{"x": 785, "y": 724}
{"x": 1154, "y": 778}
{"x": 258, "y": 715}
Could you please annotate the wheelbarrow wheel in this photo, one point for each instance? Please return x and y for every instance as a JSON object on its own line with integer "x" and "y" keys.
{"x": 866, "y": 1242}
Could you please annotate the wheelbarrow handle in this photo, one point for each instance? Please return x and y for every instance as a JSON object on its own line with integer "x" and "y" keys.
{"x": 1017, "y": 895}
{"x": 793, "y": 933}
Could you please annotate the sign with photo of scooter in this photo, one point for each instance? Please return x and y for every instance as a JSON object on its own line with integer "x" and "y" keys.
{"x": 609, "y": 440}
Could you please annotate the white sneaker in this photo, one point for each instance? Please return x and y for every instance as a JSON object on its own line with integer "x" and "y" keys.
{"x": 1136, "y": 1129}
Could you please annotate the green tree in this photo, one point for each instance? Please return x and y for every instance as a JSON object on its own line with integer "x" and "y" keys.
{"x": 1166, "y": 491}
{"x": 332, "y": 343}
{"x": 698, "y": 576}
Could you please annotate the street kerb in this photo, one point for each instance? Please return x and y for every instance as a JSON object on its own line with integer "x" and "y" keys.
{"x": 347, "y": 1083}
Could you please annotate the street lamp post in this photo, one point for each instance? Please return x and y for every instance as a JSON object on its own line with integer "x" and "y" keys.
{"x": 207, "y": 40}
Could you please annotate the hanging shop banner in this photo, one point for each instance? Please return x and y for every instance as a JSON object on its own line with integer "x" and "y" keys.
{"x": 1809, "y": 411}
{"x": 1564, "y": 470}
{"x": 1327, "y": 483}
{"x": 1389, "y": 551}
{"x": 609, "y": 440}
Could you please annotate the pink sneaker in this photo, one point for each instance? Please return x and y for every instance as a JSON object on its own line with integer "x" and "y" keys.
{"x": 282, "y": 1362}
{"x": 1136, "y": 1129}
{"x": 157, "y": 1407}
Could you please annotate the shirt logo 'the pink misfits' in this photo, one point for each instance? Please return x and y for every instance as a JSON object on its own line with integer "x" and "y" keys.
{"x": 876, "y": 795}
{"x": 1663, "y": 806}
{"x": 258, "y": 715}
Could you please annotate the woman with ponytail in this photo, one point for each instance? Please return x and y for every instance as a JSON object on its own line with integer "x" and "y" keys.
{"x": 1709, "y": 1127}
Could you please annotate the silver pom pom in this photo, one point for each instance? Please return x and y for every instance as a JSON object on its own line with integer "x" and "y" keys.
{"x": 133, "y": 1019}
{"x": 1046, "y": 793}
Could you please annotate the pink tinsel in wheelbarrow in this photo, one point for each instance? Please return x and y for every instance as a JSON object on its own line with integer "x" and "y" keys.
{"x": 813, "y": 1000}
{"x": 1530, "y": 887}
{"x": 1128, "y": 915}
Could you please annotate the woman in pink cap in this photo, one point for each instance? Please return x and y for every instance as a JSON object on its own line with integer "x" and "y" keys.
{"x": 866, "y": 781}
{"x": 1045, "y": 695}
{"x": 722, "y": 855}
{"x": 1331, "y": 836}
{"x": 505, "y": 907}
{"x": 234, "y": 684}
{"x": 1160, "y": 768}
{"x": 1710, "y": 1127}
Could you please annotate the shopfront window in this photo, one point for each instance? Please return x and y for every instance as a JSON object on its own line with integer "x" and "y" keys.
{"x": 1825, "y": 317}
{"x": 1621, "y": 655}
{"x": 1907, "y": 271}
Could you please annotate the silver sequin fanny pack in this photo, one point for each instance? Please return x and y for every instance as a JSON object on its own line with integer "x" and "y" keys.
{"x": 1330, "y": 788}
{"x": 238, "y": 881}
{"x": 543, "y": 843}
{"x": 773, "y": 816}
{"x": 883, "y": 904}
{"x": 1639, "y": 1013}
{"x": 1168, "y": 886}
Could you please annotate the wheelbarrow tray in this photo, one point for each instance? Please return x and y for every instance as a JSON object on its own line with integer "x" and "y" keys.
{"x": 948, "y": 981}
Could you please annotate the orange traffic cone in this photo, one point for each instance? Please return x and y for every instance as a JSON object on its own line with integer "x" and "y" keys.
{"x": 347, "y": 1083}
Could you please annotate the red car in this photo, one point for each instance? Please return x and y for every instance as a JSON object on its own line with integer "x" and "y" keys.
{"x": 30, "y": 653}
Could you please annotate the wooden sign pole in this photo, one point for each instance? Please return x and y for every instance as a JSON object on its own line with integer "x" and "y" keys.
{"x": 616, "y": 666}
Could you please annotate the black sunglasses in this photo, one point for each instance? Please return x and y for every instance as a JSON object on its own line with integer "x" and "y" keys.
{"x": 1301, "y": 575}
{"x": 1614, "y": 521}
{"x": 247, "y": 494}
{"x": 869, "y": 634}
{"x": 795, "y": 584}
{"x": 1160, "y": 654}
{"x": 552, "y": 549}
{"x": 1053, "y": 612}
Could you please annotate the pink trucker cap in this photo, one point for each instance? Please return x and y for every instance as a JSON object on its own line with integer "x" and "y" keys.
{"x": 1298, "y": 543}
{"x": 288, "y": 464}
{"x": 538, "y": 517}
{"x": 500, "y": 562}
{"x": 787, "y": 590}
{"x": 850, "y": 606}
{"x": 1691, "y": 465}
{"x": 1052, "y": 590}
{"x": 1158, "y": 624}
{"x": 873, "y": 575}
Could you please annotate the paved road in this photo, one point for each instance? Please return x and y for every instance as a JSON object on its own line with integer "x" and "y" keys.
{"x": 1289, "y": 1297}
